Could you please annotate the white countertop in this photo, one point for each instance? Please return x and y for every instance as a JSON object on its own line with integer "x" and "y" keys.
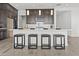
{"x": 37, "y": 30}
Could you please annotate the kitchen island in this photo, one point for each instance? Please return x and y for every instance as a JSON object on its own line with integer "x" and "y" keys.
{"x": 39, "y": 32}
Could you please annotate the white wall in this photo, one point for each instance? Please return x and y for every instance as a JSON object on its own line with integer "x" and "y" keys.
{"x": 63, "y": 19}
{"x": 74, "y": 19}
{"x": 75, "y": 22}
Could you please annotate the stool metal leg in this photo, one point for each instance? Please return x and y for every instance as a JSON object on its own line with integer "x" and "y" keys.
{"x": 64, "y": 42}
{"x": 24, "y": 40}
{"x": 61, "y": 42}
{"x": 28, "y": 41}
{"x": 14, "y": 41}
{"x": 36, "y": 42}
{"x": 17, "y": 40}
{"x": 41, "y": 42}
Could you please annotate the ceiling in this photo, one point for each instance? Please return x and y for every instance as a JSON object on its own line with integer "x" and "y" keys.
{"x": 42, "y": 5}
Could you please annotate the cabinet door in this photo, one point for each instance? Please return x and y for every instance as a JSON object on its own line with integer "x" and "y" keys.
{"x": 33, "y": 12}
{"x": 45, "y": 12}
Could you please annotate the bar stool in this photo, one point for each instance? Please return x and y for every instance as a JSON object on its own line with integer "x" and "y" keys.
{"x": 59, "y": 43}
{"x": 43, "y": 44}
{"x": 32, "y": 45}
{"x": 18, "y": 45}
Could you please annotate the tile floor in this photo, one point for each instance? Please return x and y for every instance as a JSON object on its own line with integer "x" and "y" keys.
{"x": 6, "y": 49}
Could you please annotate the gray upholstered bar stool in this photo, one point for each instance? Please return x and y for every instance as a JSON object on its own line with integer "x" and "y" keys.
{"x": 48, "y": 44}
{"x": 59, "y": 41}
{"x": 18, "y": 45}
{"x": 31, "y": 38}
